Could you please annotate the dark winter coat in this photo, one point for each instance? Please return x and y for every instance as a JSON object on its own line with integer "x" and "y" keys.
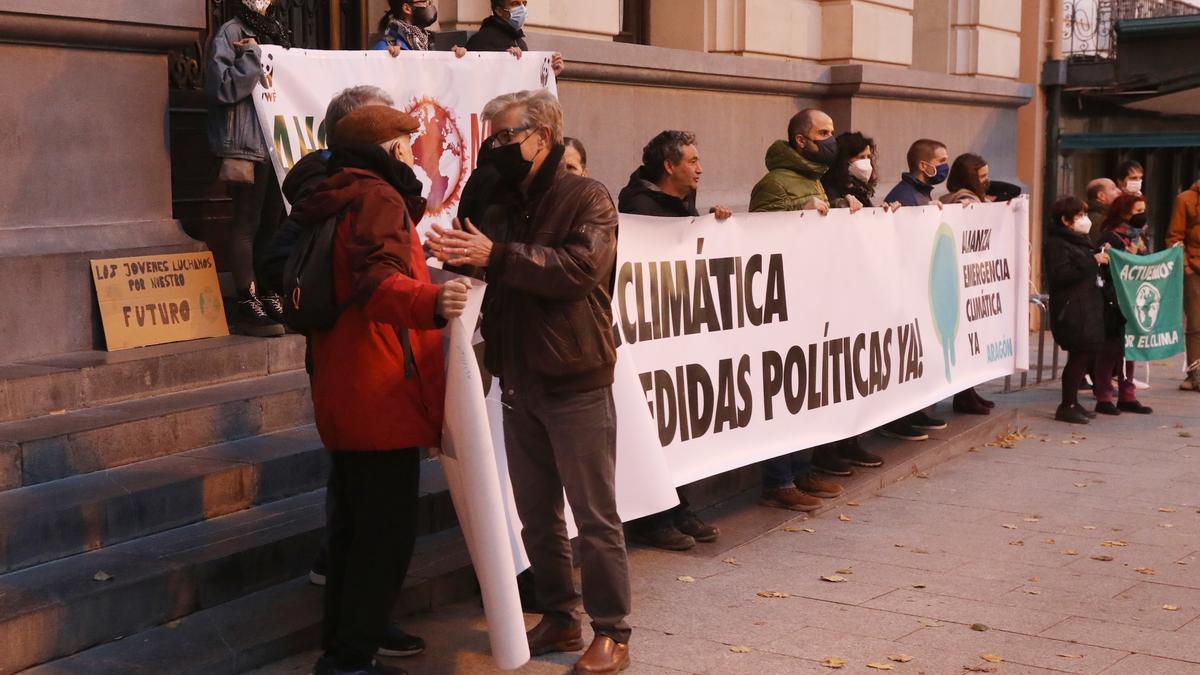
{"x": 910, "y": 192}
{"x": 1077, "y": 302}
{"x": 496, "y": 35}
{"x": 644, "y": 198}
{"x": 848, "y": 186}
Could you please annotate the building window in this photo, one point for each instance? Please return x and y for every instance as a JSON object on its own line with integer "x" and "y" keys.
{"x": 635, "y": 22}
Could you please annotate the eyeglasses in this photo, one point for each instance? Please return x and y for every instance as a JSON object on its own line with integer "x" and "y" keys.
{"x": 506, "y": 136}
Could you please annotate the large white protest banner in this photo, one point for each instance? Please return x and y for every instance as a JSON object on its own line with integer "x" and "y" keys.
{"x": 445, "y": 93}
{"x": 768, "y": 333}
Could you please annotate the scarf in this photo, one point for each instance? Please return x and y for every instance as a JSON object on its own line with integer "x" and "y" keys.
{"x": 375, "y": 159}
{"x": 268, "y": 29}
{"x": 416, "y": 37}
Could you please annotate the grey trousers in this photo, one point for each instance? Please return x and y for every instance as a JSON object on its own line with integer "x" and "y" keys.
{"x": 569, "y": 442}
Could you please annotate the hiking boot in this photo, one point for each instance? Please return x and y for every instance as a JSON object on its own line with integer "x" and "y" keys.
{"x": 789, "y": 498}
{"x": 827, "y": 460}
{"x": 396, "y": 642}
{"x": 667, "y": 538}
{"x": 691, "y": 525}
{"x": 967, "y": 404}
{"x": 547, "y": 637}
{"x": 251, "y": 318}
{"x": 902, "y": 431}
{"x": 920, "y": 420}
{"x": 273, "y": 305}
{"x": 852, "y": 451}
{"x": 1107, "y": 408}
{"x": 1135, "y": 407}
{"x": 1192, "y": 381}
{"x": 1070, "y": 414}
{"x": 811, "y": 485}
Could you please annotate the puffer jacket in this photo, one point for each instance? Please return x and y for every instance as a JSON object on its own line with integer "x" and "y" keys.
{"x": 548, "y": 305}
{"x": 791, "y": 181}
{"x": 1077, "y": 303}
{"x": 233, "y": 129}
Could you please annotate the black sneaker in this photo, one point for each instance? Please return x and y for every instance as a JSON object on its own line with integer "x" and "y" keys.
{"x": 326, "y": 665}
{"x": 1070, "y": 414}
{"x": 691, "y": 525}
{"x": 273, "y": 304}
{"x": 666, "y": 538}
{"x": 852, "y": 451}
{"x": 396, "y": 642}
{"x": 1088, "y": 413}
{"x": 827, "y": 460}
{"x": 250, "y": 318}
{"x": 902, "y": 431}
{"x": 1135, "y": 407}
{"x": 1107, "y": 408}
{"x": 920, "y": 420}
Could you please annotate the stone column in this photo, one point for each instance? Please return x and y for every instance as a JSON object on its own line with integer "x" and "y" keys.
{"x": 87, "y": 169}
{"x": 867, "y": 31}
{"x": 599, "y": 19}
{"x": 987, "y": 38}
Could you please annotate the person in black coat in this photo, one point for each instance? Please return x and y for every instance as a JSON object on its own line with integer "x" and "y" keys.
{"x": 854, "y": 173}
{"x": 503, "y": 31}
{"x": 1077, "y": 303}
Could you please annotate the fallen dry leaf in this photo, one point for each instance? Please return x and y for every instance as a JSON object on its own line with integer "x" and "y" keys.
{"x": 922, "y": 474}
{"x": 1070, "y": 551}
{"x": 1071, "y": 441}
{"x": 898, "y": 545}
{"x": 1009, "y": 526}
{"x": 738, "y": 649}
{"x": 1166, "y": 509}
{"x": 686, "y": 579}
{"x": 844, "y": 518}
{"x": 1081, "y": 485}
{"x": 991, "y": 658}
{"x": 1185, "y": 434}
{"x": 980, "y": 669}
{"x": 881, "y": 666}
{"x": 900, "y": 658}
{"x": 845, "y": 571}
{"x": 773, "y": 594}
{"x": 1115, "y": 544}
{"x": 1071, "y": 656}
{"x": 833, "y": 578}
{"x": 834, "y": 662}
{"x": 1102, "y": 558}
{"x": 799, "y": 529}
{"x": 853, "y": 504}
{"x": 1148, "y": 571}
{"x": 1171, "y": 608}
{"x": 920, "y": 551}
{"x": 102, "y": 576}
{"x": 1033, "y": 579}
{"x": 731, "y": 561}
{"x": 1166, "y": 525}
{"x": 1033, "y": 520}
{"x": 807, "y": 529}
{"x": 1033, "y": 591}
{"x": 918, "y": 585}
{"x": 981, "y": 627}
{"x": 1050, "y": 541}
{"x": 1089, "y": 527}
{"x": 1018, "y": 542}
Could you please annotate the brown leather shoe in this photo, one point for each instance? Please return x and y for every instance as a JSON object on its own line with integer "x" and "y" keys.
{"x": 604, "y": 656}
{"x": 789, "y": 498}
{"x": 811, "y": 485}
{"x": 548, "y": 637}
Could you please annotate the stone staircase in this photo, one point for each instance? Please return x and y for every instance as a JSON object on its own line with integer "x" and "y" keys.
{"x": 159, "y": 506}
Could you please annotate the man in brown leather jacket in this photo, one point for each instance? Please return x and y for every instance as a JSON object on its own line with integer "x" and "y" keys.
{"x": 547, "y": 323}
{"x": 1185, "y": 229}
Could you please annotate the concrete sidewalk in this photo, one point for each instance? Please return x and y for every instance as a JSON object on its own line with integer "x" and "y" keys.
{"x": 1076, "y": 550}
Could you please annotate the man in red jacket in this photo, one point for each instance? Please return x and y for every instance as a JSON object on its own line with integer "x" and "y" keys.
{"x": 378, "y": 379}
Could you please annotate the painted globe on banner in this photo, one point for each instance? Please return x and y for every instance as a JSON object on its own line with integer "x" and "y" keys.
{"x": 438, "y": 150}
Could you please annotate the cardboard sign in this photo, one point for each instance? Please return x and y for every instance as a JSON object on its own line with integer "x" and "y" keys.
{"x": 155, "y": 299}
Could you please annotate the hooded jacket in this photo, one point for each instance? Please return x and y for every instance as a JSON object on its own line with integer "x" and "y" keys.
{"x": 378, "y": 380}
{"x": 641, "y": 197}
{"x": 496, "y": 35}
{"x": 910, "y": 192}
{"x": 791, "y": 181}
{"x": 963, "y": 196}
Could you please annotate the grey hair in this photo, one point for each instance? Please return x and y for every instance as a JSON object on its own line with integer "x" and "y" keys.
{"x": 665, "y": 147}
{"x": 539, "y": 110}
{"x": 350, "y": 100}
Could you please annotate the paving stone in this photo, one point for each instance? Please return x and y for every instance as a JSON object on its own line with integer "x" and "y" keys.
{"x": 1015, "y": 648}
{"x": 1141, "y": 664}
{"x": 1167, "y": 644}
{"x": 966, "y": 612}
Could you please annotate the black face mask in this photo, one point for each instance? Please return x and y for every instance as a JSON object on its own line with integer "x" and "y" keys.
{"x": 424, "y": 17}
{"x": 1138, "y": 221}
{"x": 509, "y": 162}
{"x": 825, "y": 154}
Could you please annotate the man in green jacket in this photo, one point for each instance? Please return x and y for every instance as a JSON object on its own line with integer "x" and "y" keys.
{"x": 793, "y": 183}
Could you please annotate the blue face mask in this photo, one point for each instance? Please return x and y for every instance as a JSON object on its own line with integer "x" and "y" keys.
{"x": 517, "y": 16}
{"x": 940, "y": 175}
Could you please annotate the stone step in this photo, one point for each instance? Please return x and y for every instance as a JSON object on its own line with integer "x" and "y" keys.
{"x": 48, "y": 385}
{"x": 53, "y": 447}
{"x": 265, "y": 626}
{"x": 59, "y": 608}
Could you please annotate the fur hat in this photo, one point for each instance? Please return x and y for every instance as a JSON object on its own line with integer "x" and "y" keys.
{"x": 373, "y": 125}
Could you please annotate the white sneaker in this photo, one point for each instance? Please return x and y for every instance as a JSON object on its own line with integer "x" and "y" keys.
{"x": 1140, "y": 385}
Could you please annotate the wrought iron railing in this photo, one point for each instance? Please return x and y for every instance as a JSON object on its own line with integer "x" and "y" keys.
{"x": 1089, "y": 26}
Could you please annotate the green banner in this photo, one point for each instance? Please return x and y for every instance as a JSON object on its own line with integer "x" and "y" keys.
{"x": 1150, "y": 293}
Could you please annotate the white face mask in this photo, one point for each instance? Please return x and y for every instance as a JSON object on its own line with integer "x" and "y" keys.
{"x": 1082, "y": 224}
{"x": 862, "y": 169}
{"x": 1133, "y": 186}
{"x": 260, "y": 6}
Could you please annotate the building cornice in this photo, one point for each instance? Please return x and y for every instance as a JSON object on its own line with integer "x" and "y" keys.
{"x": 85, "y": 33}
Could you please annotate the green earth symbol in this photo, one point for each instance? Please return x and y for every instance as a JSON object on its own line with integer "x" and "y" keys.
{"x": 943, "y": 293}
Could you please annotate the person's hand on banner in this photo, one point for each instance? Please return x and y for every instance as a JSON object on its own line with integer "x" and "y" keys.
{"x": 460, "y": 51}
{"x": 557, "y": 64}
{"x": 855, "y": 205}
{"x": 395, "y": 50}
{"x": 818, "y": 205}
{"x": 461, "y": 246}
{"x": 515, "y": 51}
{"x": 452, "y": 298}
{"x": 721, "y": 212}
{"x": 893, "y": 206}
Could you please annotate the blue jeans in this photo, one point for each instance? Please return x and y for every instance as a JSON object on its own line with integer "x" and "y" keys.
{"x": 781, "y": 471}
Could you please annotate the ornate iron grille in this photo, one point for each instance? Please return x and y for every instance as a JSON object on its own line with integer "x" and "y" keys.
{"x": 1089, "y": 26}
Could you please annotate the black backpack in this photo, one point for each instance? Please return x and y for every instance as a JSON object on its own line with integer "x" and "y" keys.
{"x": 309, "y": 300}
